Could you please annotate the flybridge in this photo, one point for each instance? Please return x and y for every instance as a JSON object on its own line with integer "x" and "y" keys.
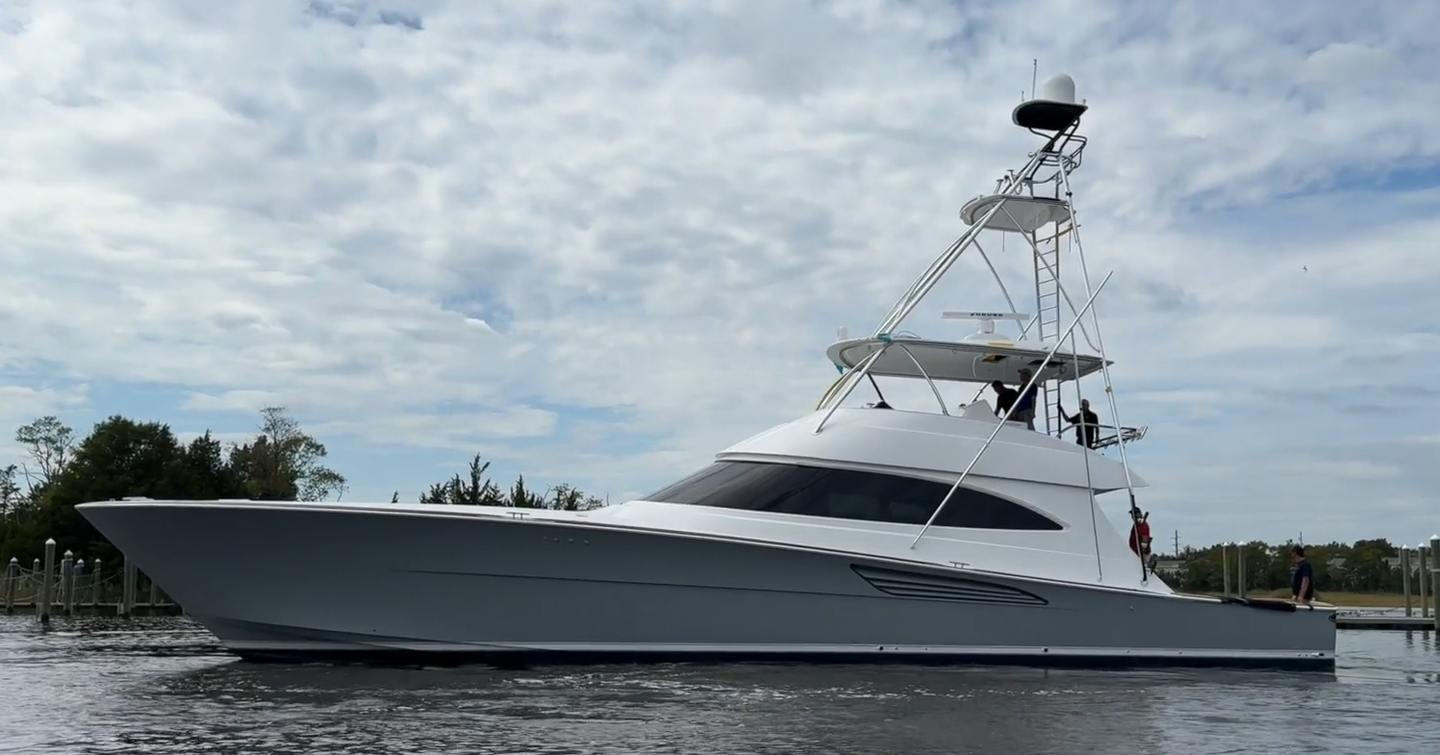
{"x": 1060, "y": 343}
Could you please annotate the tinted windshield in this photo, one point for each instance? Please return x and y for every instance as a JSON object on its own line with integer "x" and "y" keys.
{"x": 846, "y": 494}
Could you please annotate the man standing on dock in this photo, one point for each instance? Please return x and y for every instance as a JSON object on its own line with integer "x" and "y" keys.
{"x": 1302, "y": 583}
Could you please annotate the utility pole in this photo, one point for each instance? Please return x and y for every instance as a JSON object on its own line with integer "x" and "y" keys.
{"x": 1177, "y": 543}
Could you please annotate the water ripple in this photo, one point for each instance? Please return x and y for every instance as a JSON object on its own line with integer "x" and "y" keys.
{"x": 166, "y": 686}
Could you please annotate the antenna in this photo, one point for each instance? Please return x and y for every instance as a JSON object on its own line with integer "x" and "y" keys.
{"x": 1034, "y": 71}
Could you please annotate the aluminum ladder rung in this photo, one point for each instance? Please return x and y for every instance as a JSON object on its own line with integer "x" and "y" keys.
{"x": 1047, "y": 320}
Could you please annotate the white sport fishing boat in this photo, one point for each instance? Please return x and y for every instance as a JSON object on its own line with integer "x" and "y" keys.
{"x": 856, "y": 532}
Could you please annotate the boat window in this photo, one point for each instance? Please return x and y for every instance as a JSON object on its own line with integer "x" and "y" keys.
{"x": 846, "y": 494}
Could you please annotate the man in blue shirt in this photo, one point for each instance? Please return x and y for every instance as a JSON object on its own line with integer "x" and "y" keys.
{"x": 1025, "y": 405}
{"x": 1302, "y": 582}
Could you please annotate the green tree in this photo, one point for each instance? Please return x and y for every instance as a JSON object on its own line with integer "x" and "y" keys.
{"x": 284, "y": 463}
{"x": 202, "y": 471}
{"x": 12, "y": 497}
{"x": 1366, "y": 569}
{"x": 122, "y": 457}
{"x": 474, "y": 491}
{"x": 478, "y": 490}
{"x": 523, "y": 498}
{"x": 563, "y": 497}
{"x": 48, "y": 443}
{"x": 119, "y": 458}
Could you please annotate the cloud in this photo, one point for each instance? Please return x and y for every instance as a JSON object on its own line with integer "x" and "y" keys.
{"x": 462, "y": 430}
{"x": 20, "y": 404}
{"x": 231, "y": 401}
{"x": 606, "y": 240}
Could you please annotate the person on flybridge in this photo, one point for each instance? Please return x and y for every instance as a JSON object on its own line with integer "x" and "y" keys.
{"x": 1025, "y": 405}
{"x": 1006, "y": 397}
{"x": 1086, "y": 422}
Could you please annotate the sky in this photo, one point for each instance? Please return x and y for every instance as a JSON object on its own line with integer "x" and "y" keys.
{"x": 596, "y": 243}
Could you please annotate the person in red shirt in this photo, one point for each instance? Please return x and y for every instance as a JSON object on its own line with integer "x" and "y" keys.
{"x": 1140, "y": 535}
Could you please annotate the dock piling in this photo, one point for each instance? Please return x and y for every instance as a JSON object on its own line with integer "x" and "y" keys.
{"x": 67, "y": 583}
{"x": 127, "y": 589}
{"x": 1424, "y": 582}
{"x": 1240, "y": 568}
{"x": 47, "y": 581}
{"x": 1405, "y": 579}
{"x": 95, "y": 584}
{"x": 1225, "y": 566}
{"x": 1435, "y": 579}
{"x": 77, "y": 581}
{"x": 12, "y": 576}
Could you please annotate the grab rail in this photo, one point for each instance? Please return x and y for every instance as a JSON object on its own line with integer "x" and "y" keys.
{"x": 1045, "y": 363}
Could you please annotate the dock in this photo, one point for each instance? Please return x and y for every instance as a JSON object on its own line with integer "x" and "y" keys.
{"x": 79, "y": 589}
{"x": 1401, "y": 618}
{"x": 1382, "y": 621}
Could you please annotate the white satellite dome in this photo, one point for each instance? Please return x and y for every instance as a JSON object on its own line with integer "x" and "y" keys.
{"x": 1053, "y": 108}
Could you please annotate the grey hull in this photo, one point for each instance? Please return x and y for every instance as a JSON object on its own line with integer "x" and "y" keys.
{"x": 272, "y": 582}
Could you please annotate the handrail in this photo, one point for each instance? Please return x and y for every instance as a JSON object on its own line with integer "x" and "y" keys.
{"x": 1105, "y": 371}
{"x": 1033, "y": 377}
{"x": 863, "y": 369}
{"x": 996, "y": 275}
{"x": 940, "y": 265}
{"x": 926, "y": 375}
{"x": 1085, "y": 454}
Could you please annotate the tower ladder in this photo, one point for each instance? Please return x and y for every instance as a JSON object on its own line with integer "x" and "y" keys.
{"x": 1047, "y": 322}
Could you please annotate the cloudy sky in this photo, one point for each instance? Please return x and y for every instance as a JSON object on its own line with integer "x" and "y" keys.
{"x": 597, "y": 242}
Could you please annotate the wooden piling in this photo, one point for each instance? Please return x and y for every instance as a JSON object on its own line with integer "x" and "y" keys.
{"x": 1435, "y": 580}
{"x": 127, "y": 588}
{"x": 12, "y": 576}
{"x": 77, "y": 582}
{"x": 1225, "y": 566}
{"x": 1424, "y": 581}
{"x": 1405, "y": 579}
{"x": 67, "y": 583}
{"x": 95, "y": 584}
{"x": 47, "y": 579}
{"x": 1240, "y": 568}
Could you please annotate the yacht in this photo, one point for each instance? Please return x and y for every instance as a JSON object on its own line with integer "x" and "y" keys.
{"x": 861, "y": 531}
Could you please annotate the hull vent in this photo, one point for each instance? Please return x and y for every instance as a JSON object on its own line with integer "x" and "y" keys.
{"x": 953, "y": 589}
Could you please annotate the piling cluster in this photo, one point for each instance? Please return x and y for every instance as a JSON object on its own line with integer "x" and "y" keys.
{"x": 76, "y": 587}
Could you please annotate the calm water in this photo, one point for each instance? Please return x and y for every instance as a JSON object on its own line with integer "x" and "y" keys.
{"x": 164, "y": 686}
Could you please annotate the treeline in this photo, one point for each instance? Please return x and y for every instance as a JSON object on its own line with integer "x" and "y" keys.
{"x": 475, "y": 489}
{"x": 122, "y": 457}
{"x": 1361, "y": 566}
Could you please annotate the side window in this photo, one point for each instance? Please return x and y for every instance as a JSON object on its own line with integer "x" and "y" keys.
{"x": 972, "y": 508}
{"x": 846, "y": 494}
